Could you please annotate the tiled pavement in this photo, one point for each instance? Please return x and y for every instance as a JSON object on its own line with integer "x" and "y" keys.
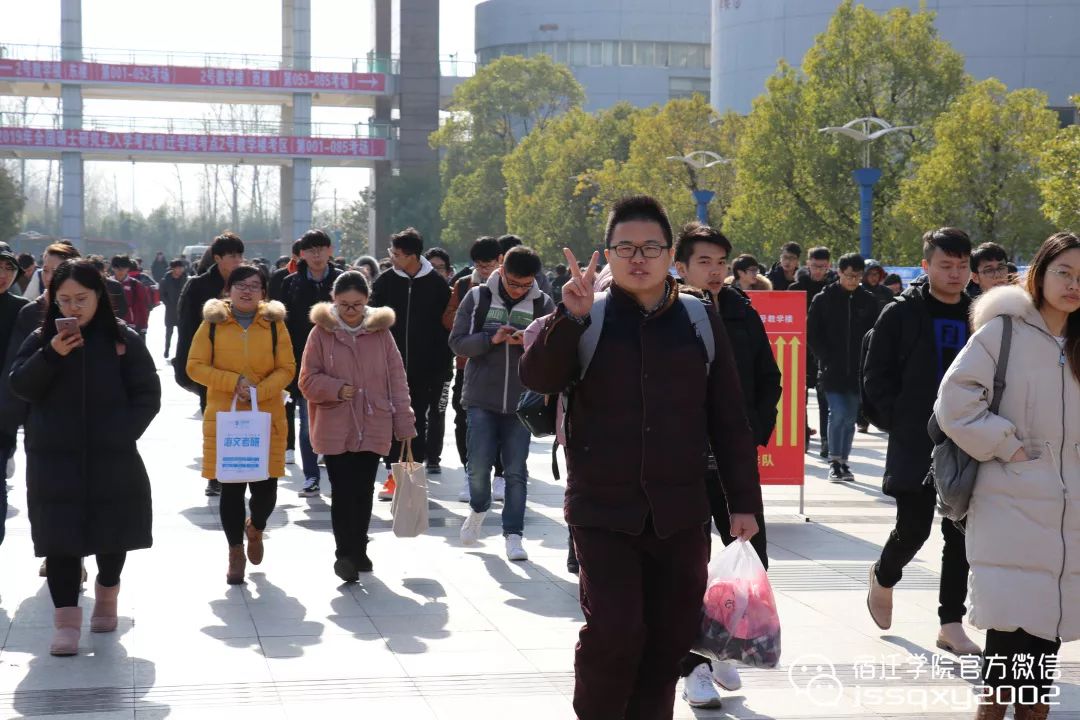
{"x": 441, "y": 631}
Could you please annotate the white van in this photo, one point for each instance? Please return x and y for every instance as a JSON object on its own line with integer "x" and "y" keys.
{"x": 194, "y": 253}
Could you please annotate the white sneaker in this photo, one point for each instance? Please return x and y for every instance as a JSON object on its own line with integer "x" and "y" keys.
{"x": 290, "y": 457}
{"x": 464, "y": 495}
{"x": 726, "y": 675}
{"x": 470, "y": 529}
{"x": 498, "y": 488}
{"x": 514, "y": 551}
{"x": 10, "y": 467}
{"x": 698, "y": 690}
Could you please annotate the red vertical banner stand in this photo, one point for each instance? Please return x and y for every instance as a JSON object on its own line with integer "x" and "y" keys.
{"x": 783, "y": 460}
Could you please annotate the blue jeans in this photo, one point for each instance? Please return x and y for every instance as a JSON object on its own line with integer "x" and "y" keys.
{"x": 308, "y": 458}
{"x": 490, "y": 435}
{"x": 843, "y": 412}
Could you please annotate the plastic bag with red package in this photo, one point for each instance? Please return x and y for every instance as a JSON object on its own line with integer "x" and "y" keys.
{"x": 739, "y": 621}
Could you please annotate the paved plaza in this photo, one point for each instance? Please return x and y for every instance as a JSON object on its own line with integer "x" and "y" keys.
{"x": 443, "y": 631}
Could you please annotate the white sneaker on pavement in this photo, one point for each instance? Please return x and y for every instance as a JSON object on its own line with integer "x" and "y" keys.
{"x": 470, "y": 529}
{"x": 498, "y": 488}
{"x": 514, "y": 551}
{"x": 726, "y": 675}
{"x": 698, "y": 690}
{"x": 464, "y": 495}
{"x": 290, "y": 457}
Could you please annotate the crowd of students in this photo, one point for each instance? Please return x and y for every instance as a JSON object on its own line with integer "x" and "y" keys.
{"x": 671, "y": 383}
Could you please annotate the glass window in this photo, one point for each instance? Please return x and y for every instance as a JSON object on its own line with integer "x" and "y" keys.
{"x": 560, "y": 52}
{"x": 695, "y": 57}
{"x": 579, "y": 54}
{"x": 645, "y": 53}
{"x": 534, "y": 49}
{"x": 661, "y": 54}
{"x": 611, "y": 53}
{"x": 596, "y": 53}
{"x": 548, "y": 49}
{"x": 679, "y": 55}
{"x": 685, "y": 87}
{"x": 626, "y": 53}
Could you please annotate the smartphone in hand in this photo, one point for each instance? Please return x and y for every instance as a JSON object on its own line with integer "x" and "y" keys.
{"x": 65, "y": 327}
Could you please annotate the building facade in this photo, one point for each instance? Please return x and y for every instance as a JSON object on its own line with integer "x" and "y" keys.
{"x": 1023, "y": 43}
{"x": 639, "y": 51}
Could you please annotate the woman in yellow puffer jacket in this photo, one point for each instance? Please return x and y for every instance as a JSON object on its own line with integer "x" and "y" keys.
{"x": 243, "y": 355}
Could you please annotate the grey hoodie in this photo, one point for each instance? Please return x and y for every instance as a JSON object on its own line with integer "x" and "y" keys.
{"x": 491, "y": 374}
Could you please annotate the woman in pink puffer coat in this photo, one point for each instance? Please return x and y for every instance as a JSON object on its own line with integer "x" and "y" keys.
{"x": 358, "y": 401}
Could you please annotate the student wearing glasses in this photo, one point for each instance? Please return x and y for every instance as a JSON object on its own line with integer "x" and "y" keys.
{"x": 989, "y": 268}
{"x": 746, "y": 275}
{"x": 242, "y": 355}
{"x": 92, "y": 390}
{"x": 358, "y": 403}
{"x": 489, "y": 330}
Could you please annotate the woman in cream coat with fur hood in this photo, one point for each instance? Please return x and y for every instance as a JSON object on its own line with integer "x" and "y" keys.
{"x": 358, "y": 401}
{"x": 1023, "y": 524}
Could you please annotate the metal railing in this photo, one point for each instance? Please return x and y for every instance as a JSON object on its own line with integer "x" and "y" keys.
{"x": 210, "y": 126}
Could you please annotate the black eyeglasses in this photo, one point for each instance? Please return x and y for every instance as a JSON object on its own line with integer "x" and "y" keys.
{"x": 650, "y": 251}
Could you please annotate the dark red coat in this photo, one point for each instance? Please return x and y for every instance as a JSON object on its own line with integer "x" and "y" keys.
{"x": 642, "y": 418}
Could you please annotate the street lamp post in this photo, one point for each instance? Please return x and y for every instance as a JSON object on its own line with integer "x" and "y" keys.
{"x": 699, "y": 160}
{"x": 866, "y": 177}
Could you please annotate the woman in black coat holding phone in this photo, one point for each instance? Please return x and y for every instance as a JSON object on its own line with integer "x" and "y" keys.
{"x": 92, "y": 390}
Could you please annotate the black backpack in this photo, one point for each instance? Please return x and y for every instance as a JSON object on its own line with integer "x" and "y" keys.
{"x": 483, "y": 304}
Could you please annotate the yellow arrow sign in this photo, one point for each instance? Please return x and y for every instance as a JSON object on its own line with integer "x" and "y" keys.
{"x": 781, "y": 344}
{"x": 793, "y": 385}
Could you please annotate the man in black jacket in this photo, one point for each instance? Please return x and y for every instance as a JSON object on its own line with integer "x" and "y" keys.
{"x": 783, "y": 272}
{"x": 701, "y": 257}
{"x": 839, "y": 318}
{"x": 912, "y": 345}
{"x": 10, "y": 304}
{"x": 874, "y": 283}
{"x": 172, "y": 287}
{"x": 418, "y": 296}
{"x": 309, "y": 285}
{"x": 227, "y": 252}
{"x": 811, "y": 280}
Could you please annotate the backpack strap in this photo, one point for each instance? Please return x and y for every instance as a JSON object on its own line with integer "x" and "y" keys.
{"x": 480, "y": 310}
{"x": 699, "y": 318}
{"x": 213, "y": 332}
{"x": 1002, "y": 362}
{"x": 591, "y": 337}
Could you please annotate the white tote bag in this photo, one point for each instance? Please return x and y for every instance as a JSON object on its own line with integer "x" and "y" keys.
{"x": 243, "y": 443}
{"x": 410, "y": 506}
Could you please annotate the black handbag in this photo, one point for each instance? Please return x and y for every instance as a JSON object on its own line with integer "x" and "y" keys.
{"x": 537, "y": 413}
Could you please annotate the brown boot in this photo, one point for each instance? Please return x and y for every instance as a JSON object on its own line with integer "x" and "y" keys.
{"x": 879, "y": 601}
{"x": 68, "y": 624}
{"x": 104, "y": 617}
{"x": 237, "y": 565}
{"x": 1031, "y": 712}
{"x": 254, "y": 543}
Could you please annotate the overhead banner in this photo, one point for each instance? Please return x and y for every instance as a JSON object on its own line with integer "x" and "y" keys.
{"x": 782, "y": 461}
{"x": 179, "y": 76}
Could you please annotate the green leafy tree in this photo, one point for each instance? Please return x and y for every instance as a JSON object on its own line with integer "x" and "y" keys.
{"x": 490, "y": 113}
{"x": 11, "y": 206}
{"x": 679, "y": 128}
{"x": 550, "y": 178}
{"x": 1060, "y": 183}
{"x": 793, "y": 182}
{"x": 981, "y": 173}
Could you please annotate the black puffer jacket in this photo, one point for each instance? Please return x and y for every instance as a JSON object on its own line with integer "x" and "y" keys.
{"x": 778, "y": 279}
{"x": 835, "y": 328}
{"x": 900, "y": 378}
{"x": 87, "y": 488}
{"x": 419, "y": 302}
{"x": 172, "y": 289}
{"x": 208, "y": 286}
{"x": 299, "y": 293}
{"x": 758, "y": 374}
{"x": 811, "y": 287}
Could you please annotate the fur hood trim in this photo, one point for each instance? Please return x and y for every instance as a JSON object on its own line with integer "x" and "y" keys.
{"x": 217, "y": 311}
{"x": 375, "y": 318}
{"x": 1004, "y": 300}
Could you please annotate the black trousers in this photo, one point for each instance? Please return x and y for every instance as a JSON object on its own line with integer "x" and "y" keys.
{"x": 64, "y": 575}
{"x": 461, "y": 418}
{"x": 722, "y": 520}
{"x": 1006, "y": 659}
{"x": 169, "y": 327}
{"x": 290, "y": 419}
{"x": 436, "y": 425}
{"x": 231, "y": 508}
{"x": 914, "y": 521}
{"x": 352, "y": 486}
{"x": 422, "y": 394}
